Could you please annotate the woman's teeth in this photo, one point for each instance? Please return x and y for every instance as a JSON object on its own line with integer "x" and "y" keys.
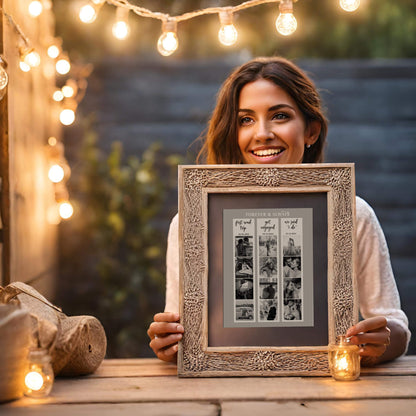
{"x": 266, "y": 152}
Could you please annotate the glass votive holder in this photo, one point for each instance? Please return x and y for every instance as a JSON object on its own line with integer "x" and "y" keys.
{"x": 39, "y": 375}
{"x": 344, "y": 359}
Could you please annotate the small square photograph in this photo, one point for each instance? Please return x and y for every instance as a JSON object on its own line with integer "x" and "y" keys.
{"x": 267, "y": 246}
{"x": 244, "y": 312}
{"x": 244, "y": 267}
{"x": 268, "y": 310}
{"x": 292, "y": 310}
{"x": 292, "y": 267}
{"x": 244, "y": 246}
{"x": 244, "y": 289}
{"x": 292, "y": 288}
{"x": 268, "y": 267}
{"x": 291, "y": 245}
{"x": 267, "y": 290}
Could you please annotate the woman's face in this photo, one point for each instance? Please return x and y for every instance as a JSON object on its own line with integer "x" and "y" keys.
{"x": 271, "y": 128}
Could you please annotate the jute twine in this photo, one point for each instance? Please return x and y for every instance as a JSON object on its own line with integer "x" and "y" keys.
{"x": 77, "y": 344}
{"x": 14, "y": 344}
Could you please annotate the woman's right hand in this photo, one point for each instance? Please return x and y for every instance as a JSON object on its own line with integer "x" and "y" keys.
{"x": 164, "y": 334}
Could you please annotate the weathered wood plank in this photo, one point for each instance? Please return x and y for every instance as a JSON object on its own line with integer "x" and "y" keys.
{"x": 146, "y": 367}
{"x": 165, "y": 389}
{"x": 113, "y": 409}
{"x": 320, "y": 408}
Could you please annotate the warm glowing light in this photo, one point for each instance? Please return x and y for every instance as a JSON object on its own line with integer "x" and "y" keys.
{"x": 4, "y": 80}
{"x": 58, "y": 95}
{"x": 53, "y": 51}
{"x": 56, "y": 173}
{"x": 32, "y": 58}
{"x": 286, "y": 23}
{"x": 227, "y": 33}
{"x": 68, "y": 91}
{"x": 63, "y": 66}
{"x": 35, "y": 8}
{"x": 34, "y": 380}
{"x": 121, "y": 28}
{"x": 24, "y": 66}
{"x": 65, "y": 210}
{"x": 349, "y": 5}
{"x": 87, "y": 14}
{"x": 67, "y": 117}
{"x": 52, "y": 141}
{"x": 344, "y": 359}
{"x": 168, "y": 41}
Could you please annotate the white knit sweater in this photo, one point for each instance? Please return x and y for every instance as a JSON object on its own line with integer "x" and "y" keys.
{"x": 377, "y": 290}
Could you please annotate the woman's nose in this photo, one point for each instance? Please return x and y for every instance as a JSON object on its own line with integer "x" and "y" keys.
{"x": 263, "y": 131}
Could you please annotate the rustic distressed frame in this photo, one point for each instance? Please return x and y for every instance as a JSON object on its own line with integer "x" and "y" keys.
{"x": 195, "y": 358}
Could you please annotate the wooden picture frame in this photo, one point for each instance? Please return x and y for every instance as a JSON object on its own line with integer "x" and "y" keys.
{"x": 224, "y": 340}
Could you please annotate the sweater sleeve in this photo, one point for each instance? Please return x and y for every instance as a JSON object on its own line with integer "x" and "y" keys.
{"x": 377, "y": 290}
{"x": 172, "y": 268}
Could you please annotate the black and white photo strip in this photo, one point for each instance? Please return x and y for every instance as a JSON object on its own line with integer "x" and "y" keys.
{"x": 268, "y": 265}
{"x": 292, "y": 269}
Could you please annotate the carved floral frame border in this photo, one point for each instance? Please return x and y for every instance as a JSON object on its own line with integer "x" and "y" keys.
{"x": 195, "y": 358}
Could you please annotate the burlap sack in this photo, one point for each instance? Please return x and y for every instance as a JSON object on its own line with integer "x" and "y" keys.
{"x": 15, "y": 331}
{"x": 77, "y": 344}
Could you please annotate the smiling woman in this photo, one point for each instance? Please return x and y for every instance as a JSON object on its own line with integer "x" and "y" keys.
{"x": 269, "y": 111}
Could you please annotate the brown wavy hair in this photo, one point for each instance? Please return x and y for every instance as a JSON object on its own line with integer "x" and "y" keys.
{"x": 220, "y": 145}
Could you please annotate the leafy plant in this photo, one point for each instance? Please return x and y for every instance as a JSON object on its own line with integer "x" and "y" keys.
{"x": 113, "y": 251}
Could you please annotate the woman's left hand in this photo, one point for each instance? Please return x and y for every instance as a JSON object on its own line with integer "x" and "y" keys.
{"x": 372, "y": 335}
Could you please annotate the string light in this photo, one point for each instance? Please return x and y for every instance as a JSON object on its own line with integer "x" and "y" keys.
{"x": 88, "y": 13}
{"x": 4, "y": 79}
{"x": 58, "y": 95}
{"x": 286, "y": 23}
{"x": 65, "y": 209}
{"x": 168, "y": 41}
{"x": 63, "y": 65}
{"x": 349, "y": 5}
{"x": 29, "y": 58}
{"x": 56, "y": 173}
{"x": 227, "y": 33}
{"x": 121, "y": 28}
{"x": 35, "y": 8}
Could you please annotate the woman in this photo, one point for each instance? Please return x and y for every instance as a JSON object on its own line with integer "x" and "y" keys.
{"x": 268, "y": 111}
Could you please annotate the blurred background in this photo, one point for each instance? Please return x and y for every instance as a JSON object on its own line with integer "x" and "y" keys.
{"x": 142, "y": 115}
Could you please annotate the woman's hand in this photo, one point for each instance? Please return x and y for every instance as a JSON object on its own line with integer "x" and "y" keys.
{"x": 164, "y": 334}
{"x": 373, "y": 337}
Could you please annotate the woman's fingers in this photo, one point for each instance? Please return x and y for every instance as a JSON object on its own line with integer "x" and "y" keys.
{"x": 160, "y": 329}
{"x": 367, "y": 325}
{"x": 372, "y": 350}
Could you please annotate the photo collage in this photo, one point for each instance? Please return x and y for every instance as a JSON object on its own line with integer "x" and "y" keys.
{"x": 268, "y": 269}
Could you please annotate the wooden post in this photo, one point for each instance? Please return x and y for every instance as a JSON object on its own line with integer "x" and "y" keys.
{"x": 4, "y": 175}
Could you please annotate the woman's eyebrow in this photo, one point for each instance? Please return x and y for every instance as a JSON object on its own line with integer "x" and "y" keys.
{"x": 273, "y": 108}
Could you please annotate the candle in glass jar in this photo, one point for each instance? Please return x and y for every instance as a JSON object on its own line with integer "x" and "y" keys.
{"x": 344, "y": 359}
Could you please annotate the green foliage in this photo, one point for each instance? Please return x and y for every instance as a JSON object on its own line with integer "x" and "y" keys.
{"x": 113, "y": 252}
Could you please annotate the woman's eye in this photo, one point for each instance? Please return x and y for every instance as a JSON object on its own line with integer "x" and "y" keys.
{"x": 280, "y": 116}
{"x": 245, "y": 120}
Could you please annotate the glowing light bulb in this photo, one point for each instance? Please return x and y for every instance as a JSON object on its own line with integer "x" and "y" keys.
{"x": 68, "y": 91}
{"x": 349, "y": 5}
{"x": 121, "y": 28}
{"x": 4, "y": 80}
{"x": 56, "y": 173}
{"x": 52, "y": 141}
{"x": 53, "y": 51}
{"x": 34, "y": 380}
{"x": 65, "y": 210}
{"x": 87, "y": 14}
{"x": 63, "y": 66}
{"x": 67, "y": 116}
{"x": 58, "y": 95}
{"x": 168, "y": 41}
{"x": 227, "y": 33}
{"x": 24, "y": 66}
{"x": 286, "y": 23}
{"x": 32, "y": 58}
{"x": 35, "y": 8}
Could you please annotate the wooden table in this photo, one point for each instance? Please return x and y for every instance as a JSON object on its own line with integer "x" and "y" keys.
{"x": 149, "y": 387}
